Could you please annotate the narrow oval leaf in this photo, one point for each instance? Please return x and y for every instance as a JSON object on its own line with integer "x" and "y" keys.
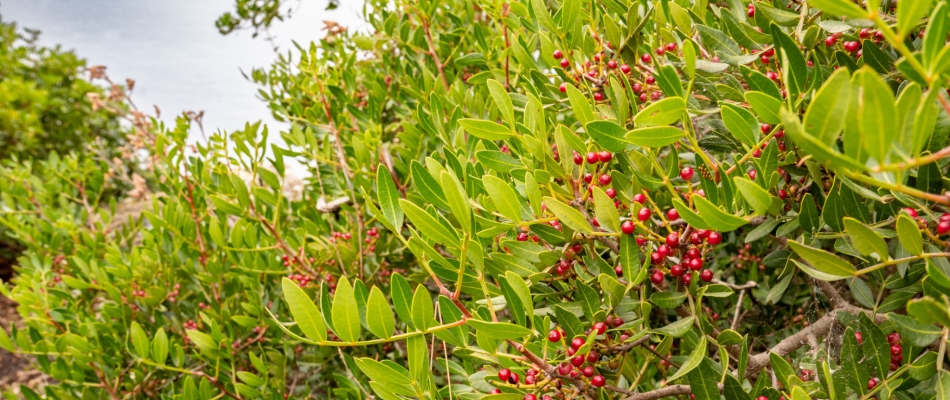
{"x": 423, "y": 311}
{"x": 388, "y": 197}
{"x": 139, "y": 340}
{"x": 488, "y": 130}
{"x": 608, "y": 135}
{"x": 663, "y": 112}
{"x": 677, "y": 329}
{"x": 864, "y": 239}
{"x": 504, "y": 197}
{"x": 568, "y": 215}
{"x": 695, "y": 358}
{"x": 605, "y": 211}
{"x": 824, "y": 261}
{"x": 379, "y": 315}
{"x": 499, "y": 330}
{"x": 345, "y": 313}
{"x": 657, "y": 136}
{"x": 718, "y": 219}
{"x": 909, "y": 235}
{"x": 428, "y": 225}
{"x": 823, "y": 120}
{"x": 758, "y": 198}
{"x": 740, "y": 123}
{"x": 502, "y": 101}
{"x": 160, "y": 346}
{"x": 305, "y": 312}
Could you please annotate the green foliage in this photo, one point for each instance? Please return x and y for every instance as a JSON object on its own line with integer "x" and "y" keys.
{"x": 703, "y": 221}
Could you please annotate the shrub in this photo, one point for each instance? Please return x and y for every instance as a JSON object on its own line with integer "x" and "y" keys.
{"x": 510, "y": 200}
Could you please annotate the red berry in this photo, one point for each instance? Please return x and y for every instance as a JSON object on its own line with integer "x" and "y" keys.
{"x": 612, "y": 64}
{"x": 663, "y": 250}
{"x": 578, "y": 159}
{"x": 693, "y": 253}
{"x": 598, "y": 381}
{"x": 605, "y": 180}
{"x": 695, "y": 264}
{"x": 896, "y": 350}
{"x": 504, "y": 374}
{"x": 657, "y": 277}
{"x": 945, "y": 217}
{"x": 592, "y": 357}
{"x": 857, "y": 335}
{"x": 765, "y": 59}
{"x": 605, "y": 156}
{"x": 706, "y": 275}
{"x": 864, "y": 33}
{"x": 592, "y": 158}
{"x": 766, "y": 128}
{"x": 782, "y": 194}
{"x": 911, "y": 211}
{"x": 530, "y": 396}
{"x": 618, "y": 270}
{"x": 656, "y": 258}
{"x": 943, "y": 227}
{"x": 522, "y": 237}
{"x": 686, "y": 174}
{"x": 558, "y": 55}
{"x": 651, "y": 80}
{"x": 686, "y": 278}
{"x": 714, "y": 238}
{"x": 677, "y": 270}
{"x": 640, "y": 198}
{"x": 660, "y": 51}
{"x": 750, "y": 12}
{"x": 643, "y": 214}
{"x": 872, "y": 383}
{"x": 564, "y": 369}
{"x": 894, "y": 338}
{"x": 514, "y": 378}
{"x": 563, "y": 88}
{"x": 611, "y": 192}
{"x": 757, "y": 153}
{"x": 762, "y": 398}
{"x": 625, "y": 68}
{"x": 773, "y": 76}
{"x": 495, "y": 391}
{"x": 671, "y": 47}
{"x": 673, "y": 239}
{"x": 769, "y": 52}
{"x": 588, "y": 178}
{"x": 600, "y": 327}
{"x": 598, "y": 96}
{"x": 577, "y": 361}
{"x": 655, "y": 96}
{"x": 752, "y": 174}
{"x": 565, "y": 63}
{"x": 646, "y": 58}
{"x": 672, "y": 214}
{"x": 554, "y": 335}
{"x": 577, "y": 343}
{"x": 627, "y": 227}
{"x": 830, "y": 41}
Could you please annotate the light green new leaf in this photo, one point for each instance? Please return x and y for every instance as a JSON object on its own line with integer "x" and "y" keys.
{"x": 202, "y": 340}
{"x": 864, "y": 239}
{"x": 379, "y": 315}
{"x": 663, "y": 112}
{"x": 160, "y": 346}
{"x": 657, "y": 136}
{"x": 605, "y": 211}
{"x": 758, "y": 198}
{"x": 718, "y": 219}
{"x": 581, "y": 106}
{"x": 304, "y": 311}
{"x": 457, "y": 200}
{"x": 488, "y": 130}
{"x": 499, "y": 330}
{"x": 345, "y": 312}
{"x": 139, "y": 340}
{"x": 388, "y": 197}
{"x": 504, "y": 197}
{"x": 842, "y": 8}
{"x": 877, "y": 112}
{"x": 908, "y": 234}
{"x": 502, "y": 101}
{"x": 521, "y": 289}
{"x": 417, "y": 352}
{"x": 822, "y": 261}
{"x": 695, "y": 358}
{"x": 689, "y": 57}
{"x": 741, "y": 123}
{"x": 568, "y": 215}
{"x": 909, "y": 14}
{"x": 423, "y": 311}
{"x": 824, "y": 120}
{"x": 428, "y": 225}
{"x": 608, "y": 135}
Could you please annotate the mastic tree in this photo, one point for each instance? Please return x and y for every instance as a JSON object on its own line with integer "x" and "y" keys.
{"x": 527, "y": 200}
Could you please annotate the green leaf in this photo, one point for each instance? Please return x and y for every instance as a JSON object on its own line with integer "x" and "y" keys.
{"x": 498, "y": 161}
{"x": 663, "y": 112}
{"x": 864, "y": 239}
{"x": 568, "y": 215}
{"x": 226, "y": 206}
{"x": 250, "y": 379}
{"x": 502, "y": 101}
{"x": 417, "y": 352}
{"x": 780, "y": 17}
{"x": 689, "y": 57}
{"x": 690, "y": 216}
{"x": 909, "y": 14}
{"x": 908, "y": 234}
{"x": 423, "y": 311}
{"x": 823, "y": 120}
{"x": 695, "y": 358}
{"x": 304, "y": 311}
{"x": 877, "y": 350}
{"x": 428, "y": 187}
{"x": 629, "y": 256}
{"x": 668, "y": 300}
{"x": 388, "y": 197}
{"x": 767, "y": 107}
{"x": 917, "y": 333}
{"x": 379, "y": 315}
{"x": 732, "y": 389}
{"x": 718, "y": 219}
{"x": 504, "y": 197}
{"x": 160, "y": 346}
{"x": 741, "y": 123}
{"x": 520, "y": 288}
{"x": 823, "y": 261}
{"x": 877, "y": 112}
{"x": 928, "y": 311}
{"x": 386, "y": 373}
{"x": 810, "y": 145}
{"x": 794, "y": 68}
{"x": 499, "y": 330}
{"x": 139, "y": 340}
{"x": 429, "y": 225}
{"x": 345, "y": 312}
{"x": 657, "y": 136}
{"x": 605, "y": 211}
{"x": 758, "y": 198}
{"x": 202, "y": 340}
{"x": 669, "y": 81}
{"x": 852, "y": 370}
{"x": 782, "y": 369}
{"x": 581, "y": 106}
{"x": 608, "y": 135}
{"x": 401, "y": 294}
{"x": 943, "y": 385}
{"x": 704, "y": 381}
{"x": 457, "y": 200}
{"x": 677, "y": 329}
{"x": 488, "y": 130}
{"x": 842, "y": 8}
